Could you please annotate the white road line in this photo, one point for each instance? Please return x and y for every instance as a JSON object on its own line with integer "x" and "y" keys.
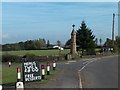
{"x": 88, "y": 62}
{"x": 71, "y": 61}
{"x": 79, "y": 71}
{"x": 67, "y": 63}
{"x": 80, "y": 81}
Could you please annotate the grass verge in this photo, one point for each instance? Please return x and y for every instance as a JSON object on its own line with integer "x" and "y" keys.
{"x": 9, "y": 75}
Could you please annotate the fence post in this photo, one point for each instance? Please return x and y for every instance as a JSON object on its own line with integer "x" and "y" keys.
{"x": 54, "y": 65}
{"x": 19, "y": 84}
{"x": 48, "y": 69}
{"x": 43, "y": 71}
{"x": 18, "y": 74}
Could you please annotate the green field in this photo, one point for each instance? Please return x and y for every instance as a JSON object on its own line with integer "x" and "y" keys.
{"x": 40, "y": 52}
{"x": 37, "y": 52}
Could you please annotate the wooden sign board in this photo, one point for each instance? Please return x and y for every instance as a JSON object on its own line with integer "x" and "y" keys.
{"x": 31, "y": 71}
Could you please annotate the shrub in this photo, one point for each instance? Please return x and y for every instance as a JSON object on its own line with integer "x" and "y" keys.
{"x": 91, "y": 51}
{"x": 29, "y": 57}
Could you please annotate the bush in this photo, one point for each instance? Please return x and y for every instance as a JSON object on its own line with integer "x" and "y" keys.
{"x": 29, "y": 57}
{"x": 91, "y": 51}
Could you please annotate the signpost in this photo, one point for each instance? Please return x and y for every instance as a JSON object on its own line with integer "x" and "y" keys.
{"x": 31, "y": 71}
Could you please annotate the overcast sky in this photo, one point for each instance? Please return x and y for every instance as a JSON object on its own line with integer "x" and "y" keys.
{"x": 53, "y": 21}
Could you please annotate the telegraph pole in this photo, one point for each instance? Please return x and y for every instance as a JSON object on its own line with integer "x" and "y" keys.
{"x": 113, "y": 29}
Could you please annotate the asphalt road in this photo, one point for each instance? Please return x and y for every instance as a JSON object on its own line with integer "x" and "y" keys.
{"x": 102, "y": 73}
{"x": 67, "y": 77}
{"x": 86, "y": 73}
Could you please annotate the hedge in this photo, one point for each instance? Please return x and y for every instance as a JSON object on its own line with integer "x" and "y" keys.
{"x": 27, "y": 57}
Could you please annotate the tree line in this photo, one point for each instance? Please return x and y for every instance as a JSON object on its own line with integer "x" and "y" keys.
{"x": 28, "y": 45}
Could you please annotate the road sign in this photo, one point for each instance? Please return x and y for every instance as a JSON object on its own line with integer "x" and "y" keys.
{"x": 31, "y": 71}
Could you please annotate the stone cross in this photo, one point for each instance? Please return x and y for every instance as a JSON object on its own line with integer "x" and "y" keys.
{"x": 73, "y": 43}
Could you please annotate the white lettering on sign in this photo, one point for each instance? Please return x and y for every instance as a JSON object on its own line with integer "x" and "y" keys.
{"x": 30, "y": 77}
{"x": 30, "y": 67}
{"x": 31, "y": 71}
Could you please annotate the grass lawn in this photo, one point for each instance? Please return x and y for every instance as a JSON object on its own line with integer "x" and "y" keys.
{"x": 37, "y": 52}
{"x": 9, "y": 74}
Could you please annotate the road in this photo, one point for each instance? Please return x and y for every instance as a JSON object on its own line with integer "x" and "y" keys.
{"x": 86, "y": 73}
{"x": 67, "y": 77}
{"x": 102, "y": 73}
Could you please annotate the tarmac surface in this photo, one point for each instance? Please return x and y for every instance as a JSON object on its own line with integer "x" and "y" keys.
{"x": 101, "y": 73}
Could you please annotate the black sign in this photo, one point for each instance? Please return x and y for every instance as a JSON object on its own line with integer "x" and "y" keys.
{"x": 31, "y": 71}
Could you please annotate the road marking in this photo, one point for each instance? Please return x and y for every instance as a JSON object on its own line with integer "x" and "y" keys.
{"x": 80, "y": 81}
{"x": 67, "y": 63}
{"x": 86, "y": 63}
{"x": 71, "y": 61}
{"x": 90, "y": 60}
{"x": 79, "y": 71}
